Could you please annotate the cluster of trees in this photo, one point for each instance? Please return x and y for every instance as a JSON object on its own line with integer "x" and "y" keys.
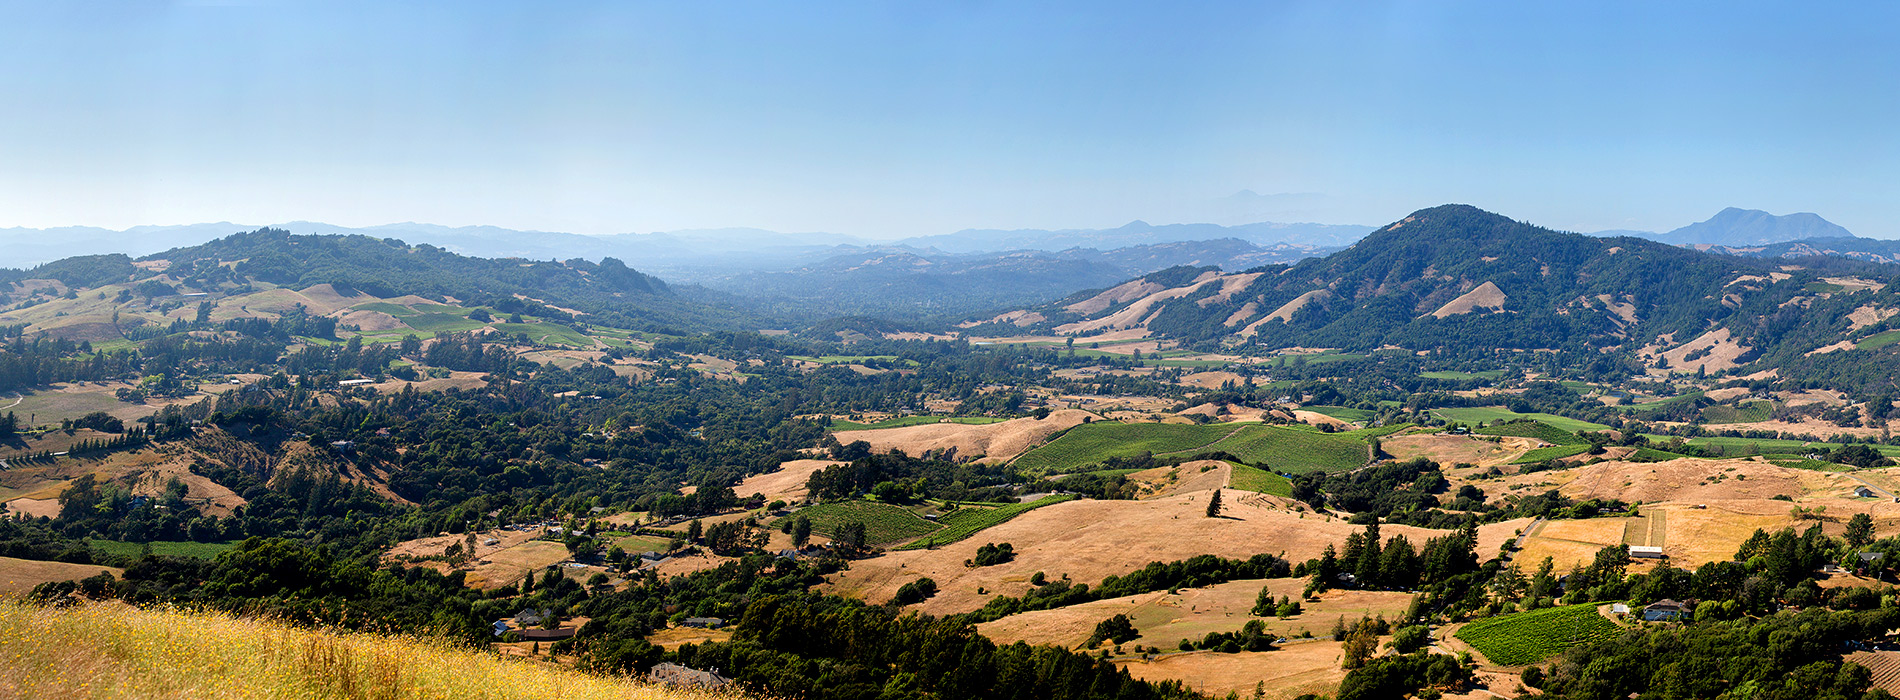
{"x": 1368, "y": 562}
{"x": 809, "y": 646}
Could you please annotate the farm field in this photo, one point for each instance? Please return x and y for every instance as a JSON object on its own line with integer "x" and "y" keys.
{"x": 1495, "y": 413}
{"x": 883, "y": 523}
{"x": 1878, "y": 340}
{"x": 197, "y": 550}
{"x": 1341, "y": 412}
{"x": 968, "y": 521}
{"x": 1091, "y": 443}
{"x": 1529, "y": 637}
{"x": 1554, "y": 452}
{"x": 1748, "y": 412}
{"x": 636, "y": 544}
{"x": 1533, "y": 429}
{"x": 1295, "y": 449}
{"x": 1259, "y": 480}
{"x": 546, "y": 333}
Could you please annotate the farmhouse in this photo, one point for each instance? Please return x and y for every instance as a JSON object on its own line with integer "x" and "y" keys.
{"x": 1667, "y": 610}
{"x": 711, "y": 623}
{"x": 1864, "y": 492}
{"x": 1643, "y": 552}
{"x": 676, "y": 676}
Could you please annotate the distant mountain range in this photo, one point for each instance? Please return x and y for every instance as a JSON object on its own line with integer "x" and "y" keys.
{"x": 803, "y": 275}
{"x": 1457, "y": 279}
{"x": 1734, "y": 227}
{"x": 907, "y": 283}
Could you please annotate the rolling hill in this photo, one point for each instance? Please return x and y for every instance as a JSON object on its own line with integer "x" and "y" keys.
{"x": 1456, "y": 276}
{"x": 269, "y": 272}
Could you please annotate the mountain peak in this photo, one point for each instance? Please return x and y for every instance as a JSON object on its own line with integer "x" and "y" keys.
{"x": 1734, "y": 226}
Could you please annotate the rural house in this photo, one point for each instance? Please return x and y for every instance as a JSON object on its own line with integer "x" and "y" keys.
{"x": 1642, "y": 552}
{"x": 676, "y": 676}
{"x": 1864, "y": 492}
{"x": 711, "y": 623}
{"x": 1667, "y": 610}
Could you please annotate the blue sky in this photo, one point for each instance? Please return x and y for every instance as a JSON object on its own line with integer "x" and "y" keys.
{"x": 890, "y": 119}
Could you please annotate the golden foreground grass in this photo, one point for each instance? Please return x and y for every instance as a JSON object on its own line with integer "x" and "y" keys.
{"x": 117, "y": 651}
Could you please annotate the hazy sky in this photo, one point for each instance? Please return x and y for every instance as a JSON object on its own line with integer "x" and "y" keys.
{"x": 898, "y": 118}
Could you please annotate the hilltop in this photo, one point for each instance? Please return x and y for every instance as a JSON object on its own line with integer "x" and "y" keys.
{"x": 1752, "y": 227}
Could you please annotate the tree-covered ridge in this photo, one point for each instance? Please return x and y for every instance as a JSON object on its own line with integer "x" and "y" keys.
{"x": 608, "y": 292}
{"x": 1560, "y": 291}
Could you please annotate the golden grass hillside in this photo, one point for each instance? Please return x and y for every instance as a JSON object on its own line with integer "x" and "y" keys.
{"x": 118, "y": 651}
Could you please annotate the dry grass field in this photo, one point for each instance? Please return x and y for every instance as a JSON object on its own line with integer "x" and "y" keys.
{"x": 1686, "y": 480}
{"x": 1453, "y": 449}
{"x": 1089, "y": 540}
{"x": 514, "y": 555}
{"x": 21, "y": 575}
{"x": 1164, "y": 618}
{"x": 1692, "y": 534}
{"x": 787, "y": 484}
{"x": 33, "y": 507}
{"x": 1203, "y": 475}
{"x": 995, "y": 441}
{"x": 1296, "y": 669}
{"x": 102, "y": 651}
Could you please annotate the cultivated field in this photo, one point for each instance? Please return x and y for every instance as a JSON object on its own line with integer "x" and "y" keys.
{"x": 1092, "y": 443}
{"x": 969, "y": 520}
{"x": 1529, "y": 637}
{"x": 1295, "y": 449}
{"x": 883, "y": 523}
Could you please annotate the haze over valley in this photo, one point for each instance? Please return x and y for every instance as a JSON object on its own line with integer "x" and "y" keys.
{"x": 1269, "y": 350}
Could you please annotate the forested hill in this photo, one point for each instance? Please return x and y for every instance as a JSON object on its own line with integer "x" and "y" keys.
{"x": 1456, "y": 275}
{"x": 607, "y": 292}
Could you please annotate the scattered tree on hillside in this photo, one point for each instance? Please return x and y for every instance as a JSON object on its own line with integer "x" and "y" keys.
{"x": 1860, "y": 530}
{"x": 1213, "y": 505}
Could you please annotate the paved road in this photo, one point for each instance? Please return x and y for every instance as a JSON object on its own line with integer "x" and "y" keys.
{"x": 1870, "y": 485}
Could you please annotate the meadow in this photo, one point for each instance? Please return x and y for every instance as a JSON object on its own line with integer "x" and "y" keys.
{"x": 118, "y": 651}
{"x": 1530, "y": 637}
